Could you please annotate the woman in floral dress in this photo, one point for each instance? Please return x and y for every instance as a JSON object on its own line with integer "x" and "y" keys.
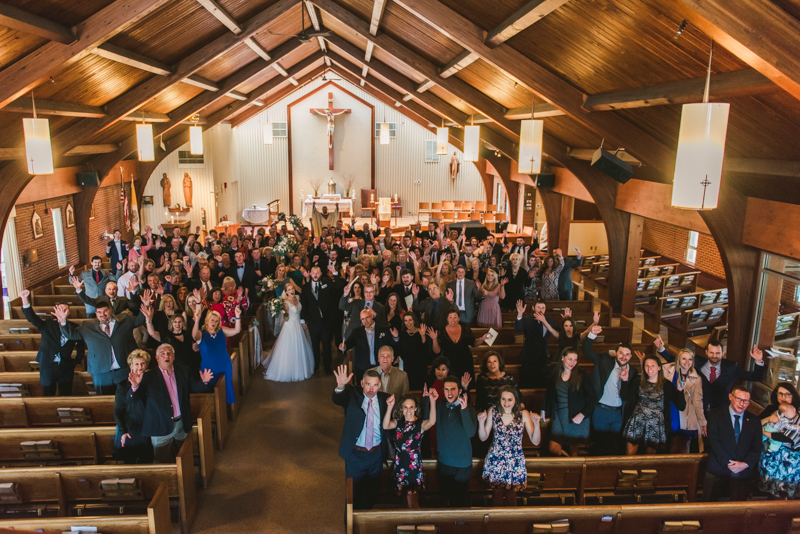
{"x": 408, "y": 427}
{"x": 504, "y": 468}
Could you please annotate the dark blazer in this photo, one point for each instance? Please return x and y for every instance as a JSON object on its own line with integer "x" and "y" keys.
{"x": 471, "y": 297}
{"x": 114, "y": 257}
{"x": 121, "y": 304}
{"x": 400, "y": 289}
{"x": 603, "y": 365}
{"x": 354, "y": 310}
{"x": 722, "y": 445}
{"x": 716, "y": 395}
{"x": 354, "y": 417}
{"x": 49, "y": 370}
{"x": 358, "y": 341}
{"x": 582, "y": 400}
{"x": 158, "y": 408}
{"x": 316, "y": 310}
{"x": 99, "y": 345}
{"x": 630, "y": 395}
{"x": 248, "y": 279}
{"x": 534, "y": 349}
{"x": 196, "y": 283}
{"x": 425, "y": 312}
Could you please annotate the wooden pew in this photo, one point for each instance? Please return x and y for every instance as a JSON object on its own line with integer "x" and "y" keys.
{"x": 713, "y": 518}
{"x": 50, "y": 300}
{"x": 80, "y": 383}
{"x": 73, "y": 485}
{"x": 582, "y": 319}
{"x": 653, "y": 287}
{"x": 510, "y": 353}
{"x": 156, "y": 521}
{"x": 672, "y": 305}
{"x": 507, "y": 335}
{"x": 695, "y": 322}
{"x": 75, "y": 311}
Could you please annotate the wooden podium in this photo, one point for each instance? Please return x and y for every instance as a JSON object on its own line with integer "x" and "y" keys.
{"x": 183, "y": 225}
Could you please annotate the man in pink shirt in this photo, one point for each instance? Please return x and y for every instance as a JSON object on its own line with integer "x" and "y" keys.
{"x": 168, "y": 411}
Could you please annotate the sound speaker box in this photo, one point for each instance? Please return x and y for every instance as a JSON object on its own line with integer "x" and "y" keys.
{"x": 474, "y": 229}
{"x": 545, "y": 179}
{"x": 88, "y": 179}
{"x": 607, "y": 163}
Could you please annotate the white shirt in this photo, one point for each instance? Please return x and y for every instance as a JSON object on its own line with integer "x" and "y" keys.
{"x": 123, "y": 283}
{"x": 118, "y": 244}
{"x": 376, "y": 423}
{"x": 460, "y": 294}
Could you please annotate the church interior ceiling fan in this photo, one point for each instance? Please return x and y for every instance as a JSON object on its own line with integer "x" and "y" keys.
{"x": 305, "y": 36}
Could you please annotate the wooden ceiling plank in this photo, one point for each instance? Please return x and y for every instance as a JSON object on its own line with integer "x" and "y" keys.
{"x": 368, "y": 53}
{"x": 202, "y": 83}
{"x": 736, "y": 83}
{"x": 424, "y": 86}
{"x": 85, "y": 150}
{"x": 132, "y": 59}
{"x": 377, "y": 14}
{"x": 462, "y": 60}
{"x": 524, "y": 17}
{"x": 144, "y": 92}
{"x": 544, "y": 83}
{"x": 313, "y": 16}
{"x": 258, "y": 49}
{"x": 759, "y": 32}
{"x": 221, "y": 15}
{"x": 49, "y": 107}
{"x": 29, "y": 23}
{"x": 763, "y": 166}
{"x": 35, "y": 68}
{"x": 543, "y": 109}
{"x": 12, "y": 153}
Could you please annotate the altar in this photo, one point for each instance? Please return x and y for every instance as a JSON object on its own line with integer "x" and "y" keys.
{"x": 256, "y": 215}
{"x": 331, "y": 201}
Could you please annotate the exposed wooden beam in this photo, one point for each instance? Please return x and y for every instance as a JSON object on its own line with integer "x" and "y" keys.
{"x": 424, "y": 86}
{"x": 364, "y": 71}
{"x": 293, "y": 81}
{"x": 202, "y": 83}
{"x": 29, "y": 23}
{"x": 728, "y": 84}
{"x": 313, "y": 16}
{"x": 148, "y": 116}
{"x": 84, "y": 150}
{"x": 321, "y": 42}
{"x": 462, "y": 60}
{"x": 258, "y": 103}
{"x": 221, "y": 15}
{"x": 236, "y": 95}
{"x": 543, "y": 109}
{"x": 408, "y": 97}
{"x": 368, "y": 53}
{"x": 362, "y": 82}
{"x": 12, "y": 153}
{"x": 327, "y": 61}
{"x": 120, "y": 55}
{"x": 763, "y": 166}
{"x": 523, "y": 18}
{"x": 759, "y": 32}
{"x": 280, "y": 69}
{"x": 377, "y": 14}
{"x": 258, "y": 49}
{"x": 613, "y": 127}
{"x": 49, "y": 107}
{"x": 35, "y": 68}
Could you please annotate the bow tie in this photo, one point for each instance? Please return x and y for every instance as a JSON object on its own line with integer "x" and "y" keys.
{"x": 370, "y": 328}
{"x": 453, "y": 406}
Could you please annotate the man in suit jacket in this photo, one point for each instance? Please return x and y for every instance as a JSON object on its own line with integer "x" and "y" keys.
{"x": 317, "y": 315}
{"x": 116, "y": 251}
{"x": 259, "y": 264}
{"x": 109, "y": 340}
{"x": 56, "y": 365}
{"x": 94, "y": 280}
{"x": 565, "y": 284}
{"x": 394, "y": 381}
{"x": 718, "y": 373}
{"x": 204, "y": 282}
{"x": 534, "y": 357}
{"x": 734, "y": 448}
{"x": 243, "y": 274}
{"x": 353, "y": 308}
{"x": 433, "y": 311}
{"x": 405, "y": 288}
{"x": 466, "y": 295}
{"x": 168, "y": 410}
{"x": 117, "y": 304}
{"x": 607, "y": 381}
{"x": 366, "y": 342}
{"x": 362, "y": 446}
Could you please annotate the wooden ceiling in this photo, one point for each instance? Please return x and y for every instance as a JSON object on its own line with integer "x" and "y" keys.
{"x": 215, "y": 58}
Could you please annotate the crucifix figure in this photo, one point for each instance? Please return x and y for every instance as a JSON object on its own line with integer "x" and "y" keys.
{"x": 329, "y": 113}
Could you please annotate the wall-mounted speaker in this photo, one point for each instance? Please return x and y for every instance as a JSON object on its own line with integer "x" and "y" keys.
{"x": 607, "y": 163}
{"x": 88, "y": 179}
{"x": 545, "y": 179}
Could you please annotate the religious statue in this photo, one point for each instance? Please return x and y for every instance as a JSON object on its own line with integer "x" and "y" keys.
{"x": 329, "y": 113}
{"x": 454, "y": 166}
{"x": 187, "y": 189}
{"x": 322, "y": 219}
{"x": 166, "y": 190}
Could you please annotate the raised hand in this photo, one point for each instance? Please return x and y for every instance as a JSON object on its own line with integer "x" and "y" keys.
{"x": 415, "y": 291}
{"x": 425, "y": 391}
{"x": 465, "y": 380}
{"x": 160, "y": 289}
{"x": 639, "y": 354}
{"x": 596, "y": 317}
{"x": 147, "y": 297}
{"x": 25, "y": 295}
{"x": 463, "y": 401}
{"x": 71, "y": 270}
{"x": 239, "y": 293}
{"x": 147, "y": 311}
{"x": 520, "y": 307}
{"x": 134, "y": 379}
{"x": 433, "y": 334}
{"x": 757, "y": 354}
{"x": 238, "y": 312}
{"x": 567, "y": 313}
{"x": 206, "y": 376}
{"x": 624, "y": 374}
{"x": 659, "y": 343}
{"x": 133, "y": 284}
{"x": 539, "y": 316}
{"x": 77, "y": 284}
{"x": 61, "y": 313}
{"x": 535, "y": 418}
{"x": 482, "y": 417}
{"x": 390, "y": 402}
{"x": 394, "y": 332}
{"x": 450, "y": 295}
{"x": 342, "y": 378}
{"x": 596, "y": 329}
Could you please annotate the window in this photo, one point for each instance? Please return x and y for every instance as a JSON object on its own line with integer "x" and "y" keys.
{"x": 691, "y": 250}
{"x": 279, "y": 129}
{"x": 61, "y": 249}
{"x": 796, "y": 293}
{"x": 430, "y": 152}
{"x": 187, "y": 160}
{"x": 392, "y": 129}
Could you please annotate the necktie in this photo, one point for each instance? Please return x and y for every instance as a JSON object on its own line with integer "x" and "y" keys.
{"x": 737, "y": 427}
{"x": 368, "y": 426}
{"x": 460, "y": 294}
{"x": 712, "y": 374}
{"x": 369, "y": 305}
{"x": 106, "y": 329}
{"x": 97, "y": 276}
{"x": 112, "y": 304}
{"x": 316, "y": 295}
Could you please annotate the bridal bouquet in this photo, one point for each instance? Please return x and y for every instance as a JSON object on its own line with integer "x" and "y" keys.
{"x": 276, "y": 307}
{"x": 297, "y": 224}
{"x": 286, "y": 245}
{"x": 267, "y": 284}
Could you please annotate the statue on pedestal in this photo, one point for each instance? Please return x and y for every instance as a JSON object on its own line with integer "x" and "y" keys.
{"x": 166, "y": 190}
{"x": 454, "y": 166}
{"x": 187, "y": 189}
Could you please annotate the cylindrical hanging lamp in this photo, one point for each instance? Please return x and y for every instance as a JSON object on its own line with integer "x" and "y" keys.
{"x": 196, "y": 138}
{"x": 38, "y": 150}
{"x": 385, "y": 133}
{"x": 144, "y": 142}
{"x": 442, "y": 140}
{"x": 531, "y": 133}
{"x": 472, "y": 143}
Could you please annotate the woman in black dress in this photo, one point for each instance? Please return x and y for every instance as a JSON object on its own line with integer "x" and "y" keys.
{"x": 129, "y": 444}
{"x": 414, "y": 349}
{"x": 394, "y": 311}
{"x": 515, "y": 280}
{"x": 455, "y": 341}
{"x": 569, "y": 402}
{"x": 493, "y": 377}
{"x": 186, "y": 351}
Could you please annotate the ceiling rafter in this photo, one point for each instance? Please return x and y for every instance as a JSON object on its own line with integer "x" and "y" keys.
{"x": 313, "y": 16}
{"x": 35, "y": 68}
{"x": 29, "y": 23}
{"x": 461, "y": 61}
{"x": 523, "y": 18}
{"x": 377, "y": 14}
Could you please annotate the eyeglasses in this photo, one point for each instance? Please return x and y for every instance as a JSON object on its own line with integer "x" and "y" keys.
{"x": 781, "y": 394}
{"x": 743, "y": 401}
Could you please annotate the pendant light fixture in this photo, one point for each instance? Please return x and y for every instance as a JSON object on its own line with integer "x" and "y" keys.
{"x": 472, "y": 141}
{"x": 267, "y": 130}
{"x": 144, "y": 141}
{"x": 196, "y": 137}
{"x": 701, "y": 151}
{"x": 531, "y": 133}
{"x": 385, "y": 133}
{"x": 38, "y": 150}
{"x": 442, "y": 139}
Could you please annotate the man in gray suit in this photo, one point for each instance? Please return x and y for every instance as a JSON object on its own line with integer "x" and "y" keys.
{"x": 109, "y": 340}
{"x": 466, "y": 295}
{"x": 94, "y": 280}
{"x": 354, "y": 307}
{"x": 115, "y": 302}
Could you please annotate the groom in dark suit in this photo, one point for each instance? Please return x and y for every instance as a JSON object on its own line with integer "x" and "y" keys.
{"x": 366, "y": 342}
{"x": 318, "y": 315}
{"x": 362, "y": 445}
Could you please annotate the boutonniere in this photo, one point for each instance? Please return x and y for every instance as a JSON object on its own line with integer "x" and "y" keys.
{"x": 382, "y": 335}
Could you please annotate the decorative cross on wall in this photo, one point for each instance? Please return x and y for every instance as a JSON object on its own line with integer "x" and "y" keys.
{"x": 329, "y": 113}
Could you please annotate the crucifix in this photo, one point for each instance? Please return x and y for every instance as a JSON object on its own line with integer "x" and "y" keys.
{"x": 329, "y": 113}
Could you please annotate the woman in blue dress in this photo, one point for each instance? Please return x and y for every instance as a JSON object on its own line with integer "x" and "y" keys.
{"x": 211, "y": 338}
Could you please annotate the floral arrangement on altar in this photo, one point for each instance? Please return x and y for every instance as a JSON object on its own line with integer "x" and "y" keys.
{"x": 267, "y": 284}
{"x": 276, "y": 307}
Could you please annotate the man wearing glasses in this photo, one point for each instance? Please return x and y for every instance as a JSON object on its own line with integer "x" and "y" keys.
{"x": 734, "y": 439}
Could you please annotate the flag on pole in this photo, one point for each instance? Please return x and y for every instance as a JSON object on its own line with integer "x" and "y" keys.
{"x": 125, "y": 209}
{"x": 135, "y": 223}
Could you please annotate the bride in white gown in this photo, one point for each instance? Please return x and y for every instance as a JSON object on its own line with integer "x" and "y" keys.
{"x": 291, "y": 358}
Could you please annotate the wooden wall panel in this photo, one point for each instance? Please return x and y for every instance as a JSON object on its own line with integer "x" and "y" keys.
{"x": 772, "y": 226}
{"x": 654, "y": 201}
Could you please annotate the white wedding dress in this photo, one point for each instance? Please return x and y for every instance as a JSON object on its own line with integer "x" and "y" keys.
{"x": 291, "y": 358}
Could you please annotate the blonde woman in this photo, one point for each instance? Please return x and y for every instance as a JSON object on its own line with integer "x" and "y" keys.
{"x": 691, "y": 422}
{"x": 166, "y": 310}
{"x": 291, "y": 358}
{"x": 444, "y": 275}
{"x": 489, "y": 314}
{"x": 129, "y": 445}
{"x": 514, "y": 281}
{"x": 212, "y": 340}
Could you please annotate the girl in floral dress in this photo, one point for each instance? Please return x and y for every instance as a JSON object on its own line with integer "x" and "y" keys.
{"x": 408, "y": 427}
{"x": 504, "y": 468}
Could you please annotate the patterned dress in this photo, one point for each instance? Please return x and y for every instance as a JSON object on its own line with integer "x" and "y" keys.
{"x": 407, "y": 455}
{"x": 505, "y": 464}
{"x": 779, "y": 468}
{"x": 646, "y": 424}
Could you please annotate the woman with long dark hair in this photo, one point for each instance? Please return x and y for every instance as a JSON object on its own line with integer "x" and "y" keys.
{"x": 784, "y": 392}
{"x": 570, "y": 400}
{"x": 414, "y": 350}
{"x": 492, "y": 378}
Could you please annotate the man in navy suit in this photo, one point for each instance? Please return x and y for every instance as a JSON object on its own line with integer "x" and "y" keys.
{"x": 362, "y": 445}
{"x": 117, "y": 251}
{"x": 318, "y": 315}
{"x": 734, "y": 439}
{"x": 366, "y": 342}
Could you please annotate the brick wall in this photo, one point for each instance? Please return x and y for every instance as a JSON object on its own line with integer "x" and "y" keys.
{"x": 47, "y": 266}
{"x": 108, "y": 217}
{"x": 788, "y": 297}
{"x": 672, "y": 241}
